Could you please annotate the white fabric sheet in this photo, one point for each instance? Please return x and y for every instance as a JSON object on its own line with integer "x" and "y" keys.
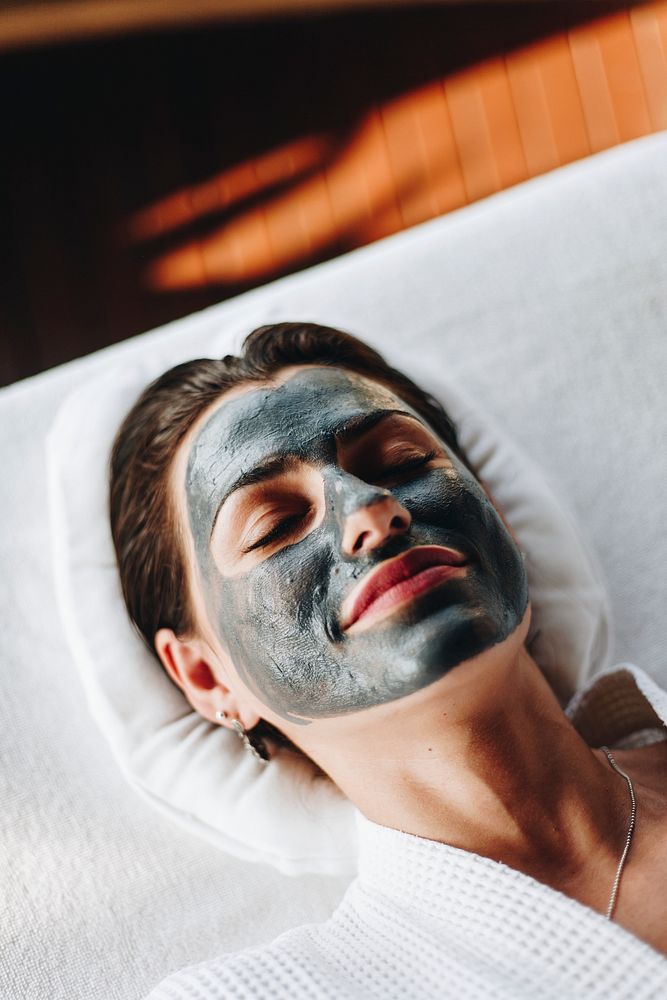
{"x": 552, "y": 301}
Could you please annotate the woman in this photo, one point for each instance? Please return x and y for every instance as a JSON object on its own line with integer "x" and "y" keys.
{"x": 304, "y": 545}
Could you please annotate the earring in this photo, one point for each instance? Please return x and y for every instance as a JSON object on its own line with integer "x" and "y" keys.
{"x": 256, "y": 748}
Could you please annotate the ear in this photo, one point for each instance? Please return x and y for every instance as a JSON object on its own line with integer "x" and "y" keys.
{"x": 204, "y": 678}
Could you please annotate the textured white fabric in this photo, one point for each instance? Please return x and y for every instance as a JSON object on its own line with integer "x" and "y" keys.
{"x": 550, "y": 301}
{"x": 427, "y": 920}
{"x": 198, "y": 773}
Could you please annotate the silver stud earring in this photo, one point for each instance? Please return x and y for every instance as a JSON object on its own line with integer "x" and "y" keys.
{"x": 257, "y": 748}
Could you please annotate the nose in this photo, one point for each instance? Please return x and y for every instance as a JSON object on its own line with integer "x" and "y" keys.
{"x": 373, "y": 522}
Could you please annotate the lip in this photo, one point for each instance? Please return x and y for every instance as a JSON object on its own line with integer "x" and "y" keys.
{"x": 399, "y": 580}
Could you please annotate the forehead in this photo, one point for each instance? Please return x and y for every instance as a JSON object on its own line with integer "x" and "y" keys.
{"x": 311, "y": 403}
{"x": 298, "y": 416}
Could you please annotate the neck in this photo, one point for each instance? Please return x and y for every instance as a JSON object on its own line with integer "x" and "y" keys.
{"x": 489, "y": 763}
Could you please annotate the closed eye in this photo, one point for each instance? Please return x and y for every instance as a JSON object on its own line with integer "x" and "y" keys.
{"x": 401, "y": 469}
{"x": 287, "y": 525}
{"x": 282, "y": 529}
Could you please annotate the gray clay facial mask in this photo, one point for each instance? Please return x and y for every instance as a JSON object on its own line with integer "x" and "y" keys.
{"x": 276, "y": 608}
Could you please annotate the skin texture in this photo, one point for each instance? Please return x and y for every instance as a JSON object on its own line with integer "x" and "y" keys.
{"x": 276, "y": 608}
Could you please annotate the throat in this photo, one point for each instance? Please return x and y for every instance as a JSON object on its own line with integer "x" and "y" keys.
{"x": 508, "y": 778}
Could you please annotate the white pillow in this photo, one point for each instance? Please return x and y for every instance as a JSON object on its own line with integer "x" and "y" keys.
{"x": 198, "y": 773}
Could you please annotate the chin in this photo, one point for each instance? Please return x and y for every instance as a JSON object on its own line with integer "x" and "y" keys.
{"x": 472, "y": 678}
{"x": 482, "y": 643}
{"x": 456, "y": 638}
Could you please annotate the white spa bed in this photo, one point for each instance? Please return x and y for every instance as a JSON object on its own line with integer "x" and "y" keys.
{"x": 548, "y": 303}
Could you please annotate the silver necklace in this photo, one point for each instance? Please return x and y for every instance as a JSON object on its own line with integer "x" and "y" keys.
{"x": 631, "y": 829}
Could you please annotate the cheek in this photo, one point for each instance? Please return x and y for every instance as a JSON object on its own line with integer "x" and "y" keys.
{"x": 288, "y": 594}
{"x": 446, "y": 500}
{"x": 438, "y": 495}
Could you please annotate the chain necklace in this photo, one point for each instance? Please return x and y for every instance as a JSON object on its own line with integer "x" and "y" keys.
{"x": 631, "y": 828}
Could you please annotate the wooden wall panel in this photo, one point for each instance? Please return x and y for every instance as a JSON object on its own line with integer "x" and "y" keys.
{"x": 147, "y": 179}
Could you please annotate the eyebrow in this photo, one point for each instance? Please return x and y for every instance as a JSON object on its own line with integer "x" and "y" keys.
{"x": 354, "y": 428}
{"x": 275, "y": 465}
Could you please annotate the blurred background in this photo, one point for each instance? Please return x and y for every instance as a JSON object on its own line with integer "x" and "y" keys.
{"x": 160, "y": 156}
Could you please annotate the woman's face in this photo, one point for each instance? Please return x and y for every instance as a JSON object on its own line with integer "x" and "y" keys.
{"x": 345, "y": 556}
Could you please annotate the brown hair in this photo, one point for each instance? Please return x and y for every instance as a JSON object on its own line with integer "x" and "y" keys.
{"x": 145, "y": 530}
